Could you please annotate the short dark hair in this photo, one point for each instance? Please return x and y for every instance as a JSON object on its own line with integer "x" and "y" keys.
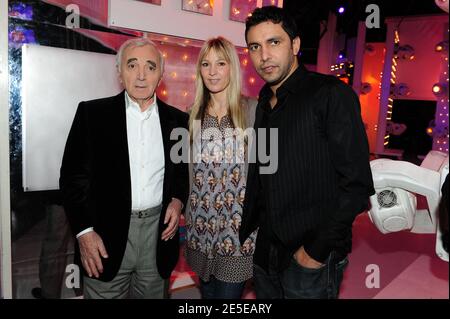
{"x": 274, "y": 14}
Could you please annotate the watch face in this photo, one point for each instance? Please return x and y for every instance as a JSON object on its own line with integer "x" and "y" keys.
{"x": 387, "y": 198}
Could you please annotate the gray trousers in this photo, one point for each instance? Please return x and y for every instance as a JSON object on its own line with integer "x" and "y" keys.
{"x": 138, "y": 276}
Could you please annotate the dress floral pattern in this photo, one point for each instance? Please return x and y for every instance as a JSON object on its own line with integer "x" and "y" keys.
{"x": 214, "y": 211}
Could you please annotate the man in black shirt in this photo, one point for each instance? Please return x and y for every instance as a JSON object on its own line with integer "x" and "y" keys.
{"x": 305, "y": 209}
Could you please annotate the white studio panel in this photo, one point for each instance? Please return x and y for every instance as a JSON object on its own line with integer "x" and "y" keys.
{"x": 54, "y": 81}
{"x": 170, "y": 19}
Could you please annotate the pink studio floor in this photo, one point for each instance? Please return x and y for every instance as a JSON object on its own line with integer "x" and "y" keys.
{"x": 407, "y": 263}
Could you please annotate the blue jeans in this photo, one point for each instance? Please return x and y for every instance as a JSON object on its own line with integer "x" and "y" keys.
{"x": 298, "y": 282}
{"x": 217, "y": 289}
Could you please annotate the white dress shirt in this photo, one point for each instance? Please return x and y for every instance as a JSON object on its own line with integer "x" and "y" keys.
{"x": 146, "y": 153}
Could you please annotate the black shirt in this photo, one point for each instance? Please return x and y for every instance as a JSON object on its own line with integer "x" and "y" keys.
{"x": 323, "y": 180}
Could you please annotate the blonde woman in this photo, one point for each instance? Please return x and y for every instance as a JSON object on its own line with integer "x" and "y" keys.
{"x": 217, "y": 120}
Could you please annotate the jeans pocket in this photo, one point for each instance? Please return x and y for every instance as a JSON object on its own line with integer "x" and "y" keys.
{"x": 307, "y": 269}
{"x": 300, "y": 282}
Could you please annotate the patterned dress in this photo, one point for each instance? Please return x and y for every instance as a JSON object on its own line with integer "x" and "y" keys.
{"x": 214, "y": 211}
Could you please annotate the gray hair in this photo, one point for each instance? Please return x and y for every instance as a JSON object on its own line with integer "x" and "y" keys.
{"x": 138, "y": 42}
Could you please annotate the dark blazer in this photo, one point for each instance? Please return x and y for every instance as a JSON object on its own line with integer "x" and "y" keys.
{"x": 95, "y": 179}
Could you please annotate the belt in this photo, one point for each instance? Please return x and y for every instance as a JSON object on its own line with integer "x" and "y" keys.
{"x": 146, "y": 212}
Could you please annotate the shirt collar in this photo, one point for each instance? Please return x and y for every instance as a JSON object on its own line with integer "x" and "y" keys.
{"x": 291, "y": 84}
{"x": 129, "y": 103}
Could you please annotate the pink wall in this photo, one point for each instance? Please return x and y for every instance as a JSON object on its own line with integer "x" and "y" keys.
{"x": 422, "y": 33}
{"x": 177, "y": 87}
{"x": 371, "y": 73}
{"x": 426, "y": 69}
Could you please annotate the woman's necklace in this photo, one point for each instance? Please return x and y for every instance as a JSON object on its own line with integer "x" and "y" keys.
{"x": 215, "y": 113}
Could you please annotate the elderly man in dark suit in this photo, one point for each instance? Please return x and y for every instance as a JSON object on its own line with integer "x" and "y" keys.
{"x": 122, "y": 192}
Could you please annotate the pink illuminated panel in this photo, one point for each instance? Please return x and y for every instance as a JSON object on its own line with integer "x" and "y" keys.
{"x": 199, "y": 6}
{"x": 157, "y": 2}
{"x": 241, "y": 9}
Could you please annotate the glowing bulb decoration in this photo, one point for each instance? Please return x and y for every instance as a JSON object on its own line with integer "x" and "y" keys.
{"x": 439, "y": 89}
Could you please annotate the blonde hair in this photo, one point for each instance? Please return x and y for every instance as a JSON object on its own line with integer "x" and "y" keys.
{"x": 226, "y": 49}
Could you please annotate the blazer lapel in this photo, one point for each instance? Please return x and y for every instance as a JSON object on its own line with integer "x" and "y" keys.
{"x": 119, "y": 121}
{"x": 118, "y": 126}
{"x": 167, "y": 124}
